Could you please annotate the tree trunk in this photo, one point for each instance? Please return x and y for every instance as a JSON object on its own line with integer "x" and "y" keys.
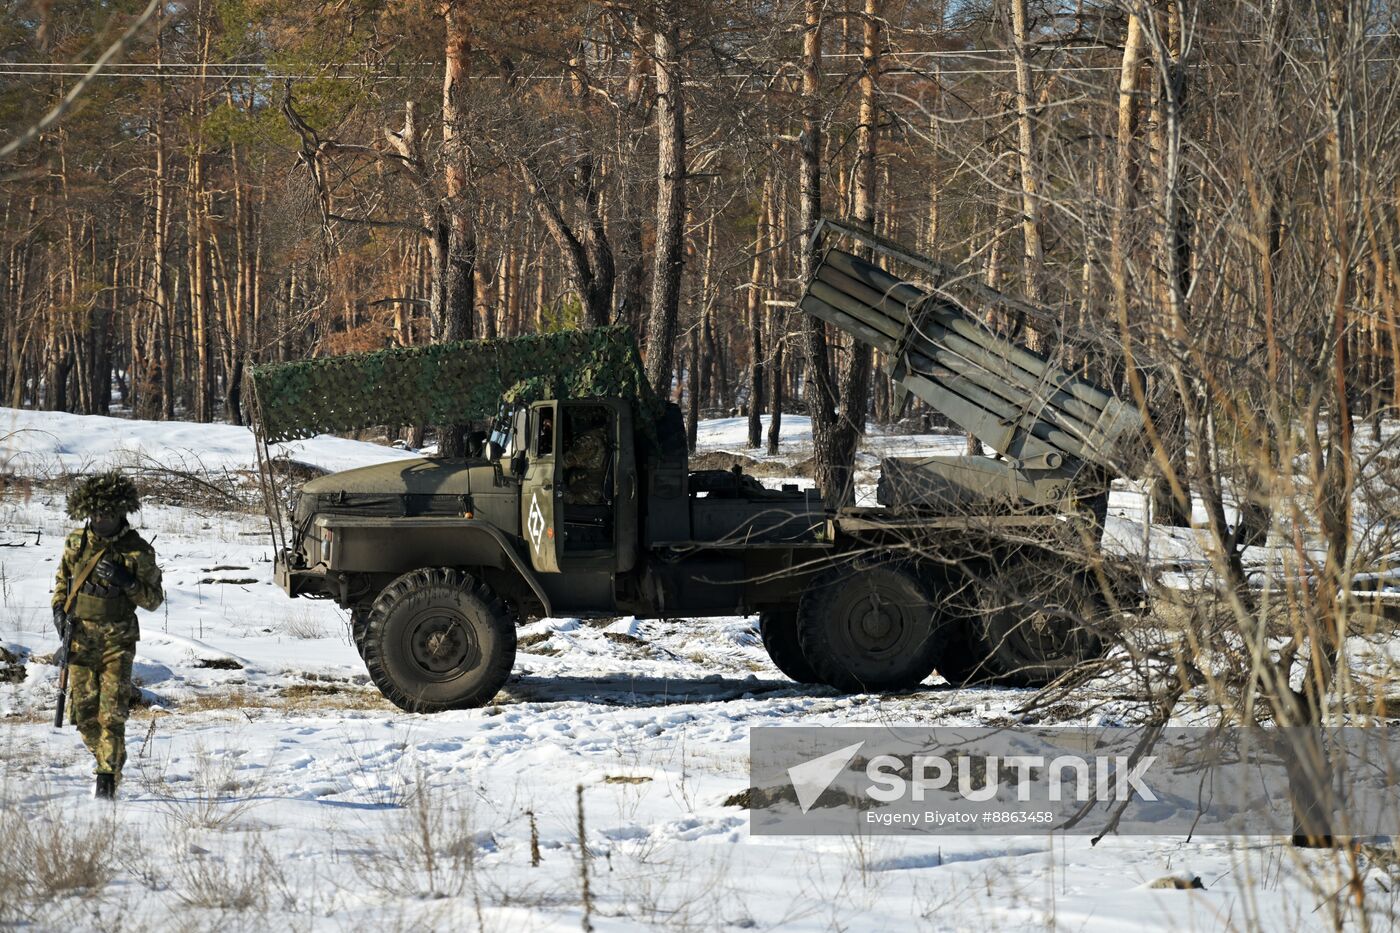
{"x": 163, "y": 313}
{"x": 195, "y": 230}
{"x": 692, "y": 415}
{"x": 458, "y": 288}
{"x": 832, "y": 465}
{"x": 1034, "y": 255}
{"x": 104, "y": 327}
{"x": 668, "y": 255}
{"x": 778, "y": 323}
{"x": 1171, "y": 490}
{"x": 755, "y": 315}
{"x": 856, "y": 376}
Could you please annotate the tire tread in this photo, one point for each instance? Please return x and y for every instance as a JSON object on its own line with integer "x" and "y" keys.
{"x": 502, "y": 615}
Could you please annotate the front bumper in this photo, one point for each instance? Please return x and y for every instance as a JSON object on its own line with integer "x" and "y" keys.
{"x": 297, "y": 582}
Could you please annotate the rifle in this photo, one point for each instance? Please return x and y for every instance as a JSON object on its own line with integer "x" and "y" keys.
{"x": 61, "y": 659}
{"x": 66, "y": 648}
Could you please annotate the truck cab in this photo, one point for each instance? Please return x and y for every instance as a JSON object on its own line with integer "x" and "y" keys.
{"x": 578, "y": 484}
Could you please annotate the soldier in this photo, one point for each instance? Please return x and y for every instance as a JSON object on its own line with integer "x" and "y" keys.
{"x": 585, "y": 463}
{"x": 103, "y": 611}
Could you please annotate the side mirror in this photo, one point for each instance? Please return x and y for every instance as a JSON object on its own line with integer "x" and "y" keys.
{"x": 518, "y": 463}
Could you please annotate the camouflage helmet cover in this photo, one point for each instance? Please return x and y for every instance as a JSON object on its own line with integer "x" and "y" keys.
{"x": 105, "y": 494}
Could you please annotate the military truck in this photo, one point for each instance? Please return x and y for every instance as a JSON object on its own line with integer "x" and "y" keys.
{"x": 960, "y": 568}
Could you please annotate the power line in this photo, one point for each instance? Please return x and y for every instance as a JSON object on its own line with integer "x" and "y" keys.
{"x": 889, "y": 53}
{"x": 216, "y": 75}
{"x": 358, "y": 71}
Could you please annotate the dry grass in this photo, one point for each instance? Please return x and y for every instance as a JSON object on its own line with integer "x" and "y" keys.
{"x": 50, "y": 849}
{"x": 429, "y": 851}
{"x": 304, "y": 625}
{"x": 311, "y": 697}
{"x": 291, "y": 698}
{"x": 213, "y": 796}
{"x": 242, "y": 880}
{"x": 230, "y": 699}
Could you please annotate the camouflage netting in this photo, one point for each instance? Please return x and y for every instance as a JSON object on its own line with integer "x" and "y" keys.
{"x": 104, "y": 494}
{"x": 447, "y": 383}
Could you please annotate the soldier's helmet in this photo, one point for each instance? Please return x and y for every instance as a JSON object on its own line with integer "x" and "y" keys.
{"x": 105, "y": 494}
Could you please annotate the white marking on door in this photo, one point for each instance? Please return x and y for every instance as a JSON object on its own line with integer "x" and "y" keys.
{"x": 535, "y": 525}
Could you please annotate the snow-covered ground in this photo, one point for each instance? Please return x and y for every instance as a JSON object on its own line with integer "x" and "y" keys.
{"x": 40, "y": 443}
{"x": 270, "y": 787}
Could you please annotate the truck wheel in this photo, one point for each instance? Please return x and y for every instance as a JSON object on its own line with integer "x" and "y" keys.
{"x": 1031, "y": 625}
{"x": 439, "y": 639}
{"x": 965, "y": 660}
{"x": 359, "y": 626}
{"x": 778, "y": 628}
{"x": 870, "y": 628}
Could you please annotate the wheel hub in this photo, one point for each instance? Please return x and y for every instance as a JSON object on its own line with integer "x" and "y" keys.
{"x": 1051, "y": 628}
{"x": 875, "y": 624}
{"x": 441, "y": 644}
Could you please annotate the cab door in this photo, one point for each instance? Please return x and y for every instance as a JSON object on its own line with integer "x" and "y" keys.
{"x": 540, "y": 487}
{"x": 596, "y": 514}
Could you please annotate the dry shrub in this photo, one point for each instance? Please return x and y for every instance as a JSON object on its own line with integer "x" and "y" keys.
{"x": 214, "y": 796}
{"x": 304, "y": 625}
{"x": 430, "y": 851}
{"x": 71, "y": 853}
{"x": 243, "y": 880}
{"x": 53, "y": 850}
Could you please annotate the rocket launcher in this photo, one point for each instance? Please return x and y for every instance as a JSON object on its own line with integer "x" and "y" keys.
{"x": 1046, "y": 424}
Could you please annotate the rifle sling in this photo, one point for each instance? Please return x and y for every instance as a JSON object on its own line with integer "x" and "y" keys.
{"x": 78, "y": 581}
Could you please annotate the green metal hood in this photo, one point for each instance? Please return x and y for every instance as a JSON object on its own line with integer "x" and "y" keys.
{"x": 421, "y": 477}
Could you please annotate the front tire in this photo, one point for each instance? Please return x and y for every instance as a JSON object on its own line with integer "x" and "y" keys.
{"x": 439, "y": 639}
{"x": 359, "y": 626}
{"x": 870, "y": 628}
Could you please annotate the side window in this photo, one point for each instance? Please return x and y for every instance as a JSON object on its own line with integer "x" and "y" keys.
{"x": 588, "y": 454}
{"x": 544, "y": 432}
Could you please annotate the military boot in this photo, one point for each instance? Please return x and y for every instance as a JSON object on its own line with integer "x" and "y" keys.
{"x": 106, "y": 787}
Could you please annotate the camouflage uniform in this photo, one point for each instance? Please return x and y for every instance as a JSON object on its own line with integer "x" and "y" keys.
{"x": 585, "y": 467}
{"x": 105, "y": 635}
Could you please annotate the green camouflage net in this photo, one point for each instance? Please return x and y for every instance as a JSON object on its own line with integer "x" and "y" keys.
{"x": 105, "y": 494}
{"x": 446, "y": 383}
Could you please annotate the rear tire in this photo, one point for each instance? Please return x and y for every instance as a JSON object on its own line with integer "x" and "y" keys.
{"x": 778, "y": 628}
{"x": 964, "y": 661}
{"x": 439, "y": 639}
{"x": 1025, "y": 627}
{"x": 871, "y": 627}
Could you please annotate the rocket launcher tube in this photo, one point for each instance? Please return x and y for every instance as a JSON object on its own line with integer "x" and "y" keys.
{"x": 1001, "y": 382}
{"x": 972, "y": 361}
{"x": 994, "y": 405}
{"x": 905, "y": 295}
{"x": 940, "y": 328}
{"x": 993, "y": 419}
